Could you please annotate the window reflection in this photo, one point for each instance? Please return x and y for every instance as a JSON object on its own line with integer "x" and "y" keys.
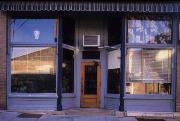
{"x": 68, "y": 71}
{"x": 68, "y": 31}
{"x": 150, "y": 31}
{"x": 33, "y": 70}
{"x": 149, "y": 71}
{"x": 114, "y": 31}
{"x": 113, "y": 71}
{"x": 90, "y": 83}
{"x": 33, "y": 30}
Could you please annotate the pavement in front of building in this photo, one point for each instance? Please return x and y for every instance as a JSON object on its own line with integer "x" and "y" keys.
{"x": 71, "y": 115}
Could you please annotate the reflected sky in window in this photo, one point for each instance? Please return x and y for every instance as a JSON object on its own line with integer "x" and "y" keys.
{"x": 22, "y": 51}
{"x": 32, "y": 30}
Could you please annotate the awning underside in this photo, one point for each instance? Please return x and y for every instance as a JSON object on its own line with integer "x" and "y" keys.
{"x": 91, "y": 6}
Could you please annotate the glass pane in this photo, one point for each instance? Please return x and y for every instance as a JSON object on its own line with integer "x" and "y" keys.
{"x": 68, "y": 31}
{"x": 68, "y": 71}
{"x": 33, "y": 70}
{"x": 90, "y": 82}
{"x": 149, "y": 71}
{"x": 114, "y": 31}
{"x": 91, "y": 55}
{"x": 113, "y": 80}
{"x": 113, "y": 71}
{"x": 149, "y": 31}
{"x": 33, "y": 30}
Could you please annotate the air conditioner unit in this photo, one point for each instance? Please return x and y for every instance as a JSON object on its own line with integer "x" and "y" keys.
{"x": 91, "y": 40}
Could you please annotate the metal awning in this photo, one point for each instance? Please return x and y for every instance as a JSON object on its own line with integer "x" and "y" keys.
{"x": 91, "y": 6}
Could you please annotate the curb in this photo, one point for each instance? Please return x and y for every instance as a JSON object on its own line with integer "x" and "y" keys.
{"x": 148, "y": 114}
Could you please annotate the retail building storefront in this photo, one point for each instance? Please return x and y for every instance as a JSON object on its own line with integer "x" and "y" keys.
{"x": 113, "y": 55}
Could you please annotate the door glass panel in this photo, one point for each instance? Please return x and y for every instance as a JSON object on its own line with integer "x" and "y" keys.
{"x": 90, "y": 82}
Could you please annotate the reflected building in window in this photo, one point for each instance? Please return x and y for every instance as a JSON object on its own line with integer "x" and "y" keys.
{"x": 33, "y": 70}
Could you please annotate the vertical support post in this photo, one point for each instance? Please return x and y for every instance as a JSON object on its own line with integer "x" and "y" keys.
{"x": 175, "y": 36}
{"x": 123, "y": 54}
{"x": 60, "y": 59}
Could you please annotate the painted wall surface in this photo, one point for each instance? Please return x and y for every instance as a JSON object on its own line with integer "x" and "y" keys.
{"x": 156, "y": 105}
{"x": 111, "y": 102}
{"x": 32, "y": 103}
{"x": 90, "y": 26}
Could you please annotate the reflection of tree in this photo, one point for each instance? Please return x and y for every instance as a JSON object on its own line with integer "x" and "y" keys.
{"x": 34, "y": 71}
{"x": 68, "y": 71}
{"x": 67, "y": 77}
{"x": 149, "y": 31}
{"x": 33, "y": 83}
{"x": 163, "y": 38}
{"x": 113, "y": 80}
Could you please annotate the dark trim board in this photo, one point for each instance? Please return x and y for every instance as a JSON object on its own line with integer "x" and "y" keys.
{"x": 122, "y": 75}
{"x": 60, "y": 59}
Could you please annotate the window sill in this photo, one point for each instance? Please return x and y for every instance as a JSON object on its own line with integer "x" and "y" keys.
{"x": 40, "y": 95}
{"x": 31, "y": 95}
{"x": 139, "y": 96}
{"x": 148, "y": 97}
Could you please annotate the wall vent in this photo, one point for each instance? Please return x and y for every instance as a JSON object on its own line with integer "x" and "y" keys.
{"x": 91, "y": 40}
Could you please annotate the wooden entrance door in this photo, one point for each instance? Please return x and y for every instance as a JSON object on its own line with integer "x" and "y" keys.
{"x": 90, "y": 84}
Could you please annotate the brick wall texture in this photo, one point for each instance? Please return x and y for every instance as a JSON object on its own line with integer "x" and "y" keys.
{"x": 3, "y": 31}
{"x": 178, "y": 80}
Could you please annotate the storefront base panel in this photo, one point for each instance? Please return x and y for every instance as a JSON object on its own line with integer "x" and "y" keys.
{"x": 31, "y": 104}
{"x": 144, "y": 105}
{"x": 69, "y": 102}
{"x": 111, "y": 103}
{"x": 149, "y": 105}
{"x": 15, "y": 103}
{"x": 26, "y": 103}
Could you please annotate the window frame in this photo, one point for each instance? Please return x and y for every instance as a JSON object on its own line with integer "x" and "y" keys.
{"x": 171, "y": 46}
{"x": 32, "y": 42}
{"x": 70, "y": 48}
{"x": 165, "y": 18}
{"x": 112, "y": 48}
{"x": 11, "y": 45}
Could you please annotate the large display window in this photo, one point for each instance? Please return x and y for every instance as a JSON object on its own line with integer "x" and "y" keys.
{"x": 149, "y": 59}
{"x": 33, "y": 55}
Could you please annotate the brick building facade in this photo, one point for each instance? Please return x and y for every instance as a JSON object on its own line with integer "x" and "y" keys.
{"x": 61, "y": 71}
{"x": 178, "y": 82}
